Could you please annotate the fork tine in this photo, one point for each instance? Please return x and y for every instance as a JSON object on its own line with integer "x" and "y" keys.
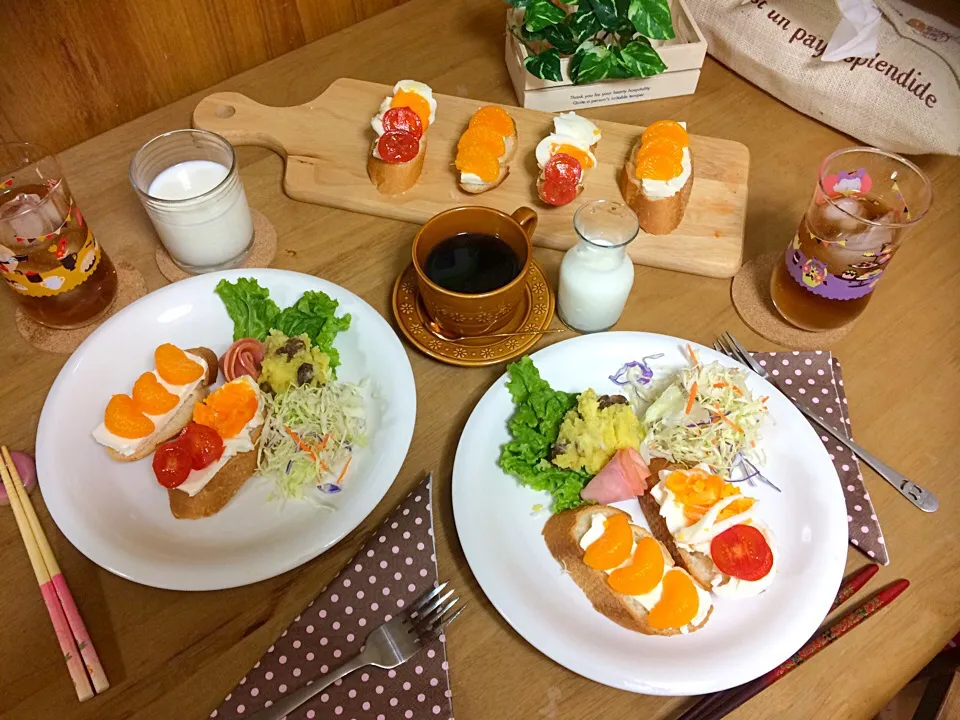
{"x": 725, "y": 348}
{"x": 427, "y": 622}
{"x": 435, "y": 633}
{"x": 732, "y": 350}
{"x": 719, "y": 348}
{"x": 423, "y": 612}
{"x": 425, "y": 598}
{"x": 747, "y": 357}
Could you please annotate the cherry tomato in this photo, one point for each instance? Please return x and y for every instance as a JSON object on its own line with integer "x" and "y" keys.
{"x": 171, "y": 464}
{"x": 742, "y": 552}
{"x": 557, "y": 193}
{"x": 398, "y": 146}
{"x": 563, "y": 169}
{"x": 403, "y": 119}
{"x": 203, "y": 443}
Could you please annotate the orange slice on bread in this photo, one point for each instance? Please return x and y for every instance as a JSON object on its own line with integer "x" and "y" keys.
{"x": 175, "y": 367}
{"x": 678, "y": 603}
{"x": 643, "y": 574}
{"x": 151, "y": 397}
{"x": 124, "y": 419}
{"x": 613, "y": 547}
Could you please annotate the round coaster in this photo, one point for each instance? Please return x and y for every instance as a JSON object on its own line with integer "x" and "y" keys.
{"x": 130, "y": 286}
{"x": 262, "y": 252}
{"x": 751, "y": 297}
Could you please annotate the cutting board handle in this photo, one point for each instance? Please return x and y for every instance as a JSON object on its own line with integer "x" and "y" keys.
{"x": 242, "y": 121}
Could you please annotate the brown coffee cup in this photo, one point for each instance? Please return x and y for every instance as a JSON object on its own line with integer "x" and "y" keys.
{"x": 480, "y": 313}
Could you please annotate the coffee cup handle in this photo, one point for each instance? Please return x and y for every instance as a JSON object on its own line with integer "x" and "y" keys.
{"x": 527, "y": 220}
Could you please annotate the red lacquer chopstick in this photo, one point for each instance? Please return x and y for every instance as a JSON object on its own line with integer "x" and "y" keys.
{"x": 852, "y": 583}
{"x": 721, "y": 704}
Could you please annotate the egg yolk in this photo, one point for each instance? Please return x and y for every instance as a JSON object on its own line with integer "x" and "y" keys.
{"x": 416, "y": 102}
{"x": 175, "y": 367}
{"x": 228, "y": 410}
{"x": 698, "y": 491}
{"x": 666, "y": 129}
{"x": 479, "y": 161}
{"x": 494, "y": 117}
{"x": 586, "y": 162}
{"x": 124, "y": 419}
{"x": 152, "y": 397}
{"x": 613, "y": 547}
{"x": 643, "y": 574}
{"x": 678, "y": 604}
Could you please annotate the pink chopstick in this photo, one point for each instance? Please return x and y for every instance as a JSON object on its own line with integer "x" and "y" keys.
{"x": 78, "y": 651}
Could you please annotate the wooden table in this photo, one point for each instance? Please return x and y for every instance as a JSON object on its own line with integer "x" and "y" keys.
{"x": 175, "y": 655}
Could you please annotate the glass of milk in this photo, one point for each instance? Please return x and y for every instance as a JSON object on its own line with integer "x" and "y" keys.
{"x": 596, "y": 275}
{"x": 190, "y": 186}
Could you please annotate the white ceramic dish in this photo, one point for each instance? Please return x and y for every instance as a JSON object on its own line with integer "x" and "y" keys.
{"x": 118, "y": 516}
{"x": 500, "y": 534}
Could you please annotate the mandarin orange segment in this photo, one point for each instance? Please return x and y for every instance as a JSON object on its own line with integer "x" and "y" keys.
{"x": 494, "y": 117}
{"x": 678, "y": 604}
{"x": 417, "y": 103}
{"x": 482, "y": 137}
{"x": 657, "y": 167}
{"x": 666, "y": 129}
{"x": 152, "y": 397}
{"x": 643, "y": 574}
{"x": 124, "y": 419}
{"x": 175, "y": 367}
{"x": 613, "y": 547}
{"x": 661, "y": 146}
{"x": 479, "y": 161}
{"x": 228, "y": 409}
{"x": 586, "y": 162}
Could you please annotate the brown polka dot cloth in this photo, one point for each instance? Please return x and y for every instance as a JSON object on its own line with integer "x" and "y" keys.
{"x": 814, "y": 379}
{"x": 394, "y": 568}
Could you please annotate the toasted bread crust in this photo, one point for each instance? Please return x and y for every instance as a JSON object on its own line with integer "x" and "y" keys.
{"x": 183, "y": 416}
{"x": 562, "y": 533}
{"x": 219, "y": 491}
{"x": 657, "y": 216}
{"x": 395, "y": 178}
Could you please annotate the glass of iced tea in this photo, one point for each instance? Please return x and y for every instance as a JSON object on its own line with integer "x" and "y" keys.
{"x": 49, "y": 257}
{"x": 864, "y": 202}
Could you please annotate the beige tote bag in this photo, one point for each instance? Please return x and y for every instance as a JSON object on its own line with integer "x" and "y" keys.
{"x": 898, "y": 89}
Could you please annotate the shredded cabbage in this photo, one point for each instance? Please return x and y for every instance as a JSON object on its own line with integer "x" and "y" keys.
{"x": 309, "y": 436}
{"x": 720, "y": 427}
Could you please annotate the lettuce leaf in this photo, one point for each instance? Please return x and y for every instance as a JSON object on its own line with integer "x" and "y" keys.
{"x": 254, "y": 314}
{"x": 534, "y": 428}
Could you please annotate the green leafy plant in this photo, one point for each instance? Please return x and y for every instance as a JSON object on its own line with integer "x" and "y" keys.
{"x": 603, "y": 38}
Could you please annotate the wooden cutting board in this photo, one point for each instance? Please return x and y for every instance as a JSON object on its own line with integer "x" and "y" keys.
{"x": 326, "y": 141}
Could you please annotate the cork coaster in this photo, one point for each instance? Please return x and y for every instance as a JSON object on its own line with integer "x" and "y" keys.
{"x": 262, "y": 251}
{"x": 130, "y": 286}
{"x": 751, "y": 297}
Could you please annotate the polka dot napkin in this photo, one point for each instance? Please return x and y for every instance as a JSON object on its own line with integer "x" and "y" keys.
{"x": 396, "y": 566}
{"x": 814, "y": 379}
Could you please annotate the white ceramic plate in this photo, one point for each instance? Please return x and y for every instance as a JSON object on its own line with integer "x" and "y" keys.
{"x": 500, "y": 534}
{"x": 118, "y": 516}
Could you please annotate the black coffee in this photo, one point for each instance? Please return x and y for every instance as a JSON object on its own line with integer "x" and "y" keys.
{"x": 472, "y": 263}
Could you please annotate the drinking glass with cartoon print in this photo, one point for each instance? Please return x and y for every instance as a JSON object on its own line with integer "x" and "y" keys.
{"x": 864, "y": 202}
{"x": 49, "y": 258}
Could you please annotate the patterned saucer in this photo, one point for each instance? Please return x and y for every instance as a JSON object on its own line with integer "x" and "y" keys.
{"x": 534, "y": 313}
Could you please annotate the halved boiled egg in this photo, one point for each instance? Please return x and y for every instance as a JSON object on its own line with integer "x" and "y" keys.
{"x": 572, "y": 125}
{"x": 412, "y": 94}
{"x": 573, "y": 146}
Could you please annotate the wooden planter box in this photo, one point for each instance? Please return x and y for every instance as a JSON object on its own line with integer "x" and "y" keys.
{"x": 683, "y": 56}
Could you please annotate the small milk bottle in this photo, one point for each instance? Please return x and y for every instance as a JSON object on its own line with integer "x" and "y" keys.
{"x": 596, "y": 275}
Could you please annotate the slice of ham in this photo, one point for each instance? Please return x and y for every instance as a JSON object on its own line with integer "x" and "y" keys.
{"x": 244, "y": 357}
{"x": 622, "y": 478}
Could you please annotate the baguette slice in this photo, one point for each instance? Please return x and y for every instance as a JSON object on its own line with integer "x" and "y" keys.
{"x": 562, "y": 534}
{"x": 659, "y": 216}
{"x": 183, "y": 416}
{"x": 700, "y": 566}
{"x": 221, "y": 488}
{"x": 511, "y": 148}
{"x": 395, "y": 178}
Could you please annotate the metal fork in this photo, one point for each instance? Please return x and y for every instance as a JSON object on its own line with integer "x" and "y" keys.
{"x": 923, "y": 499}
{"x": 387, "y": 646}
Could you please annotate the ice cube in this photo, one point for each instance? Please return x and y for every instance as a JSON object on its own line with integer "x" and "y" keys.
{"x": 836, "y": 217}
{"x": 874, "y": 237}
{"x": 44, "y": 218}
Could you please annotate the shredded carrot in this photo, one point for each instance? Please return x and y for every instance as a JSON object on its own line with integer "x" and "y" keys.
{"x": 344, "y": 471}
{"x": 323, "y": 443}
{"x": 300, "y": 443}
{"x": 691, "y": 398}
{"x": 753, "y": 443}
{"x": 738, "y": 391}
{"x": 764, "y": 398}
{"x": 720, "y": 384}
{"x": 731, "y": 423}
{"x": 693, "y": 355}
